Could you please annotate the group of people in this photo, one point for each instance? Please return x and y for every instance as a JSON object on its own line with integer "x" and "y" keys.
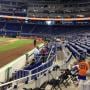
{"x": 48, "y": 48}
{"x": 41, "y": 54}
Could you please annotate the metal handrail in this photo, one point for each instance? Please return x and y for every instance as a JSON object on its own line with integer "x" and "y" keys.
{"x": 48, "y": 68}
{"x": 26, "y": 76}
{"x": 41, "y": 64}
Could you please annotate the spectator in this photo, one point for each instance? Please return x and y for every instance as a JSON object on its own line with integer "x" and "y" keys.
{"x": 83, "y": 68}
{"x": 44, "y": 53}
{"x": 33, "y": 61}
{"x": 34, "y": 42}
{"x": 36, "y": 53}
{"x": 82, "y": 71}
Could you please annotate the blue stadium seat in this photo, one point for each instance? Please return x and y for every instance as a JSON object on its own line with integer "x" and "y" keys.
{"x": 73, "y": 50}
{"x": 33, "y": 66}
{"x": 20, "y": 74}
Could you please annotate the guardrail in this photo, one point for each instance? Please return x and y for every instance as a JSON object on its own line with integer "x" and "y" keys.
{"x": 21, "y": 73}
{"x": 28, "y": 78}
{"x": 37, "y": 73}
{"x": 17, "y": 64}
{"x": 32, "y": 76}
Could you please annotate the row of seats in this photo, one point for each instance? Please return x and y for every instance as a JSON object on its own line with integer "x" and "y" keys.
{"x": 73, "y": 50}
{"x": 40, "y": 29}
{"x": 54, "y": 82}
{"x": 35, "y": 67}
{"x": 78, "y": 48}
{"x": 84, "y": 46}
{"x": 64, "y": 79}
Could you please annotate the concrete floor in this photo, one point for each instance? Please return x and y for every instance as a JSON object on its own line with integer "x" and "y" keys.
{"x": 59, "y": 61}
{"x": 72, "y": 86}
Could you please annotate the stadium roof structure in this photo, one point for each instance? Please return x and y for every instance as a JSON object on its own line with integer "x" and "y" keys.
{"x": 46, "y": 8}
{"x": 58, "y": 8}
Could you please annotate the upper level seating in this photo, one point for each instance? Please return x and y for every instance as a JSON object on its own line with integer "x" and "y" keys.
{"x": 8, "y": 13}
{"x": 16, "y": 8}
{"x": 20, "y": 14}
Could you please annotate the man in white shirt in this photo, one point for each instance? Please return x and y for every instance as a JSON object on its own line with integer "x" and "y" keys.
{"x": 36, "y": 53}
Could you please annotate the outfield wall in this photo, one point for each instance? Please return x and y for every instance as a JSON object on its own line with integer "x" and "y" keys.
{"x": 19, "y": 63}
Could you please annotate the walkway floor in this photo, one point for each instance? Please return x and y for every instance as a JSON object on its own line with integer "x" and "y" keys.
{"x": 60, "y": 61}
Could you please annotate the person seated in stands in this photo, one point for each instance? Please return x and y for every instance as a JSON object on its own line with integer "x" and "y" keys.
{"x": 44, "y": 53}
{"x": 33, "y": 61}
{"x": 36, "y": 53}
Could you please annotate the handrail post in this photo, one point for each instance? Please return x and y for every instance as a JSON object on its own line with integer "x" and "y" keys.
{"x": 27, "y": 56}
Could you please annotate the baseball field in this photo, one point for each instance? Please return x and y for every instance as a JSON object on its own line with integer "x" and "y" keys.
{"x": 12, "y": 48}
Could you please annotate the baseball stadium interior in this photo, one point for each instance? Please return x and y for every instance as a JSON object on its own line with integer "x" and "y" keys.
{"x": 59, "y": 31}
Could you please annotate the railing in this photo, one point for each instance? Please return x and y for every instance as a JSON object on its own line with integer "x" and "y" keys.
{"x": 48, "y": 64}
{"x": 16, "y": 82}
{"x": 16, "y": 64}
{"x": 32, "y": 76}
{"x": 38, "y": 66}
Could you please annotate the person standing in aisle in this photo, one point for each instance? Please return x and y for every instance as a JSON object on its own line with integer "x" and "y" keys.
{"x": 82, "y": 72}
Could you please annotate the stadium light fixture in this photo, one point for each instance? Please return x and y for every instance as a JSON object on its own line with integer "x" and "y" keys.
{"x": 48, "y": 22}
{"x": 80, "y": 15}
{"x": 26, "y": 20}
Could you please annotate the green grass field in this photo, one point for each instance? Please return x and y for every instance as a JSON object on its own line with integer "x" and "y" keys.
{"x": 16, "y": 44}
{"x": 3, "y": 39}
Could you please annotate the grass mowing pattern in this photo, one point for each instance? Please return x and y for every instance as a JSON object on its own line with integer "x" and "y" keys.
{"x": 16, "y": 44}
